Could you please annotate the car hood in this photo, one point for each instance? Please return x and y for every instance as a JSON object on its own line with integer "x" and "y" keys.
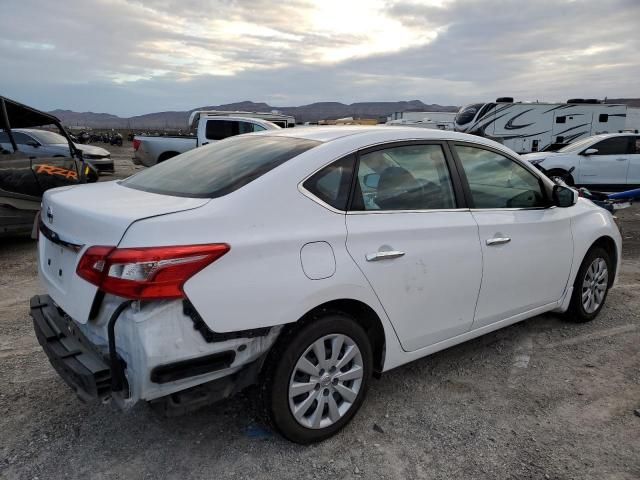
{"x": 537, "y": 155}
{"x": 91, "y": 150}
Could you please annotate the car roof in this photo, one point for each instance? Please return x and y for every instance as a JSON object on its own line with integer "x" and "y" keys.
{"x": 330, "y": 133}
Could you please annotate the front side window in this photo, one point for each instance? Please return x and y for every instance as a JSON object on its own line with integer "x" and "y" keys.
{"x": 612, "y": 146}
{"x": 496, "y": 181}
{"x": 408, "y": 177}
{"x": 220, "y": 168}
{"x": 333, "y": 182}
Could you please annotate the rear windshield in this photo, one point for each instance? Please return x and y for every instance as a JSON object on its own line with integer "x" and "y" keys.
{"x": 220, "y": 168}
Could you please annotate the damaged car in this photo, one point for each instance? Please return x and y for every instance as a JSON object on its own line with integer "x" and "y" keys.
{"x": 24, "y": 177}
{"x": 306, "y": 261}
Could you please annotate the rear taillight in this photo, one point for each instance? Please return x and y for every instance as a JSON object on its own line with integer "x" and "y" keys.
{"x": 136, "y": 144}
{"x": 146, "y": 273}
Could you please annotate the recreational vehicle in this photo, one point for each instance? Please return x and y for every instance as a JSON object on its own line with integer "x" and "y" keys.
{"x": 533, "y": 127}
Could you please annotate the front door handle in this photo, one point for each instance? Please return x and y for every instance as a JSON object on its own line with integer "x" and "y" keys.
{"x": 386, "y": 255}
{"x": 498, "y": 241}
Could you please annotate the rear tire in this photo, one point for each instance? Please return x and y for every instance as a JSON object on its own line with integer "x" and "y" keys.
{"x": 308, "y": 398}
{"x": 591, "y": 286}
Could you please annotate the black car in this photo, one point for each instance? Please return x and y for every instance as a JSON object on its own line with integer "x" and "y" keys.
{"x": 24, "y": 179}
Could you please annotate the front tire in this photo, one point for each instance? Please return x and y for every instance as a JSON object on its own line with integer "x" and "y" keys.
{"x": 591, "y": 286}
{"x": 317, "y": 377}
{"x": 563, "y": 174}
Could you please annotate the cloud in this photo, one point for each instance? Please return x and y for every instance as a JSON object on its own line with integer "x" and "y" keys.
{"x": 129, "y": 57}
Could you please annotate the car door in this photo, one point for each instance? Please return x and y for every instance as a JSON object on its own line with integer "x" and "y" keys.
{"x": 414, "y": 240}
{"x": 527, "y": 246}
{"x": 608, "y": 166}
{"x": 633, "y": 174}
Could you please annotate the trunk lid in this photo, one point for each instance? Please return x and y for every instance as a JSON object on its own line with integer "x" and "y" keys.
{"x": 75, "y": 218}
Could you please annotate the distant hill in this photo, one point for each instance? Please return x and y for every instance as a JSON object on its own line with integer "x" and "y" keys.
{"x": 305, "y": 113}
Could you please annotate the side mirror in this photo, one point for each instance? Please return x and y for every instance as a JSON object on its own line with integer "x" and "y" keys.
{"x": 371, "y": 180}
{"x": 590, "y": 151}
{"x": 564, "y": 196}
{"x": 33, "y": 143}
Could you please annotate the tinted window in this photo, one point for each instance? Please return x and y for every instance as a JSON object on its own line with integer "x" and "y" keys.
{"x": 220, "y": 168}
{"x": 561, "y": 119}
{"x": 496, "y": 181}
{"x": 603, "y": 117}
{"x": 410, "y": 177}
{"x": 612, "y": 146}
{"x": 221, "y": 129}
{"x": 636, "y": 145}
{"x": 333, "y": 182}
{"x": 21, "y": 138}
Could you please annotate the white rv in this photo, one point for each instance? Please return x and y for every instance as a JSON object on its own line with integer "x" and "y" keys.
{"x": 533, "y": 127}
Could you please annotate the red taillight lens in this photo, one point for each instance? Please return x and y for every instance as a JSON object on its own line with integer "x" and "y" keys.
{"x": 136, "y": 144}
{"x": 146, "y": 273}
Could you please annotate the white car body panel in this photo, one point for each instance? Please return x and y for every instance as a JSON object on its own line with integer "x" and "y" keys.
{"x": 269, "y": 278}
{"x": 506, "y": 289}
{"x": 424, "y": 275}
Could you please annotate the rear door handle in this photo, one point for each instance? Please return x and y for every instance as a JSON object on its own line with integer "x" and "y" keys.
{"x": 498, "y": 241}
{"x": 386, "y": 255}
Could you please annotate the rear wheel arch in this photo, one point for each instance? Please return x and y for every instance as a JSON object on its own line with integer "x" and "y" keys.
{"x": 362, "y": 313}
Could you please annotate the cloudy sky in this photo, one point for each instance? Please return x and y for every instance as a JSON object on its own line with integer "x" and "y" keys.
{"x": 131, "y": 57}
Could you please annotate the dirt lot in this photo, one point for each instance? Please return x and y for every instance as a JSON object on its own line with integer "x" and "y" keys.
{"x": 541, "y": 399}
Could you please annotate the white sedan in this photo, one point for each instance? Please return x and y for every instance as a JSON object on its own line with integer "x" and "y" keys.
{"x": 307, "y": 260}
{"x": 608, "y": 161}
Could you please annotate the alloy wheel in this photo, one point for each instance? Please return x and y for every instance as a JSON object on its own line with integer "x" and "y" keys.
{"x": 594, "y": 285}
{"x": 325, "y": 381}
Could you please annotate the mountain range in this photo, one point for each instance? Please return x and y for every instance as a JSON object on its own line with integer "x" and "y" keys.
{"x": 305, "y": 113}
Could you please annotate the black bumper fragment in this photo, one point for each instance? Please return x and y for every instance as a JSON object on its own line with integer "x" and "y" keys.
{"x": 69, "y": 352}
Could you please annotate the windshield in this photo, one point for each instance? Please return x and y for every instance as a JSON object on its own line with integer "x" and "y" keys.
{"x": 468, "y": 113}
{"x": 219, "y": 168}
{"x": 573, "y": 147}
{"x": 48, "y": 138}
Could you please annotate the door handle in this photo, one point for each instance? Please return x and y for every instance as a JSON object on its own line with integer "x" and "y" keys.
{"x": 620, "y": 159}
{"x": 386, "y": 255}
{"x": 498, "y": 241}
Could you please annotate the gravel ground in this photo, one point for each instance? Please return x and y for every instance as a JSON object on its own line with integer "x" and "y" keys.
{"x": 540, "y": 399}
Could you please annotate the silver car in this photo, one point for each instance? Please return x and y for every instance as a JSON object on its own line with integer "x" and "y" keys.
{"x": 43, "y": 143}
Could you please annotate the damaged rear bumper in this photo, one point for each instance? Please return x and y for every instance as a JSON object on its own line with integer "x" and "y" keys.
{"x": 158, "y": 354}
{"x": 69, "y": 352}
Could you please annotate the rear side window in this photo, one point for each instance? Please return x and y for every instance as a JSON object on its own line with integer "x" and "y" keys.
{"x": 333, "y": 182}
{"x": 220, "y": 168}
{"x": 408, "y": 177}
{"x": 221, "y": 129}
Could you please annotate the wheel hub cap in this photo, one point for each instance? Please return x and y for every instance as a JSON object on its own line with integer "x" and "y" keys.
{"x": 325, "y": 381}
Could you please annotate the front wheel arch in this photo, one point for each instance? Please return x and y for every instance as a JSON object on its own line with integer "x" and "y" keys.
{"x": 608, "y": 245}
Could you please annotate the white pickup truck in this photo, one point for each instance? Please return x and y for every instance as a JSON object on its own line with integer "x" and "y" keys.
{"x": 209, "y": 126}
